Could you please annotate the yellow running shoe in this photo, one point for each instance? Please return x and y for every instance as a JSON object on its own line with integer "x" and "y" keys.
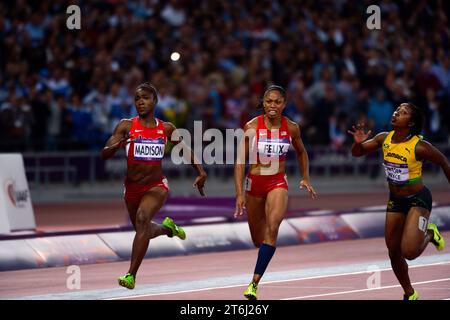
{"x": 127, "y": 281}
{"x": 437, "y": 240}
{"x": 414, "y": 296}
{"x": 250, "y": 293}
{"x": 176, "y": 230}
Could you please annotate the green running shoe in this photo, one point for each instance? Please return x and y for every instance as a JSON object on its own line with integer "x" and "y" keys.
{"x": 250, "y": 293}
{"x": 127, "y": 281}
{"x": 176, "y": 230}
{"x": 437, "y": 240}
{"x": 414, "y": 296}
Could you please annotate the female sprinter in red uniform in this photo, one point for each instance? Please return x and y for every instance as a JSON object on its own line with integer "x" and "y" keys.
{"x": 146, "y": 188}
{"x": 407, "y": 231}
{"x": 268, "y": 137}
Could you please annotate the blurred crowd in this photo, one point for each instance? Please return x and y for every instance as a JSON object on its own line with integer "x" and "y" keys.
{"x": 64, "y": 89}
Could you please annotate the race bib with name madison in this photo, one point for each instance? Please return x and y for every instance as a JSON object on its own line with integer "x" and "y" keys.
{"x": 147, "y": 149}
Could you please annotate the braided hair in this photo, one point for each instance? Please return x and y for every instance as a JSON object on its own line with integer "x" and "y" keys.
{"x": 417, "y": 119}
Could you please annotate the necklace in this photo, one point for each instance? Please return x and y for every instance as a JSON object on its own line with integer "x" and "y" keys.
{"x": 405, "y": 139}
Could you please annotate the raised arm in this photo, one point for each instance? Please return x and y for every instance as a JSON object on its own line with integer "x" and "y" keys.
{"x": 360, "y": 146}
{"x": 426, "y": 151}
{"x": 119, "y": 139}
{"x": 175, "y": 137}
{"x": 302, "y": 158}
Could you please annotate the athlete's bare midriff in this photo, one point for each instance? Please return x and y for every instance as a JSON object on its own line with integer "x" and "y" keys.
{"x": 272, "y": 168}
{"x": 144, "y": 173}
{"x": 404, "y": 191}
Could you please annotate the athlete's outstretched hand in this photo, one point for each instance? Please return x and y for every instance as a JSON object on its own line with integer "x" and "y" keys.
{"x": 358, "y": 133}
{"x": 199, "y": 183}
{"x": 306, "y": 184}
{"x": 240, "y": 206}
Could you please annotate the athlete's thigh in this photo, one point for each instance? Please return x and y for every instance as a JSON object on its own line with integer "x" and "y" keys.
{"x": 152, "y": 201}
{"x": 256, "y": 214}
{"x": 132, "y": 209}
{"x": 276, "y": 205}
{"x": 393, "y": 230}
{"x": 415, "y": 227}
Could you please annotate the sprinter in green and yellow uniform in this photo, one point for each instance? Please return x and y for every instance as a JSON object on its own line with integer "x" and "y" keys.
{"x": 407, "y": 231}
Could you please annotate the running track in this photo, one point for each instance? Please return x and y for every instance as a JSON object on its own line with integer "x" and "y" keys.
{"x": 347, "y": 270}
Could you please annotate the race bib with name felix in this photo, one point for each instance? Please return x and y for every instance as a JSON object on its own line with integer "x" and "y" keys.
{"x": 273, "y": 147}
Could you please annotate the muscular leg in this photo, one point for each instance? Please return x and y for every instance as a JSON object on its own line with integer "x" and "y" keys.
{"x": 150, "y": 203}
{"x": 415, "y": 235}
{"x": 275, "y": 209}
{"x": 276, "y": 205}
{"x": 256, "y": 218}
{"x": 155, "y": 230}
{"x": 132, "y": 209}
{"x": 395, "y": 222}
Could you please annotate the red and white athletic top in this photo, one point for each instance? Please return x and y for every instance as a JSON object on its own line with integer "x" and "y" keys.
{"x": 147, "y": 146}
{"x": 272, "y": 144}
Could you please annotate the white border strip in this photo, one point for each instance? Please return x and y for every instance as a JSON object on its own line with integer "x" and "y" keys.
{"x": 361, "y": 290}
{"x": 273, "y": 281}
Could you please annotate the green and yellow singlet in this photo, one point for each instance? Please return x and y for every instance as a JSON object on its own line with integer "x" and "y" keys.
{"x": 400, "y": 163}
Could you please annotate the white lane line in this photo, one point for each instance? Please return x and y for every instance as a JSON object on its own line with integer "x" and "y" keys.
{"x": 361, "y": 290}
{"x": 270, "y": 282}
{"x": 175, "y": 292}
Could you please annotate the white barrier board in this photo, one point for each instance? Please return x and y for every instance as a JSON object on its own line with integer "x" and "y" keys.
{"x": 16, "y": 210}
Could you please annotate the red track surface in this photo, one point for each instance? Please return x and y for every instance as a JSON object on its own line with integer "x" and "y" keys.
{"x": 433, "y": 280}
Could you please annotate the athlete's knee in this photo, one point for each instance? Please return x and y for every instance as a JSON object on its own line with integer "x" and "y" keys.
{"x": 272, "y": 231}
{"x": 142, "y": 221}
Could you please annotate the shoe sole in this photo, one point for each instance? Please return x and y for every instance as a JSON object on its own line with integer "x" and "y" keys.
{"x": 124, "y": 284}
{"x": 182, "y": 234}
{"x": 439, "y": 246}
{"x": 250, "y": 297}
